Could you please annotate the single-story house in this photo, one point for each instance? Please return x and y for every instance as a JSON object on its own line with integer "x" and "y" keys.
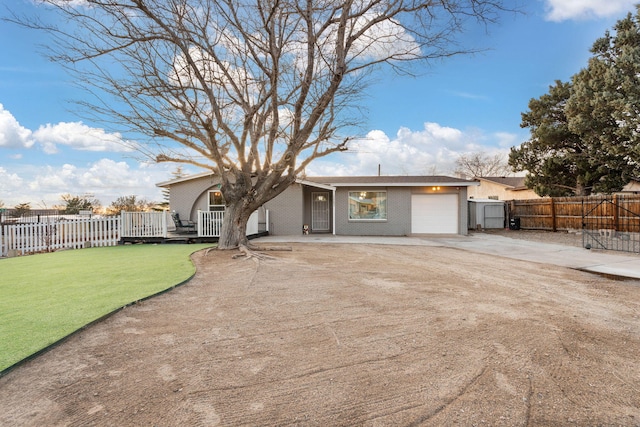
{"x": 362, "y": 205}
{"x": 501, "y": 188}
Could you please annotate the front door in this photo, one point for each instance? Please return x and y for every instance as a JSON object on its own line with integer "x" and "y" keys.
{"x": 320, "y": 211}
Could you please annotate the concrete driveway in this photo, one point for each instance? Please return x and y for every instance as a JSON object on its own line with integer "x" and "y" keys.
{"x": 615, "y": 264}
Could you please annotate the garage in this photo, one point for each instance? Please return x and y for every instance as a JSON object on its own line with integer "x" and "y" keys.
{"x": 434, "y": 213}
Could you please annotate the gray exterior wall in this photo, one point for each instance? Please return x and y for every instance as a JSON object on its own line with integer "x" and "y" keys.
{"x": 398, "y": 221}
{"x": 291, "y": 209}
{"x": 463, "y": 211}
{"x": 285, "y": 212}
{"x": 307, "y": 203}
{"x": 188, "y": 197}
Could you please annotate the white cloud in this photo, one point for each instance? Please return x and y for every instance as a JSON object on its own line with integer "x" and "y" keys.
{"x": 75, "y": 135}
{"x": 42, "y": 185}
{"x": 383, "y": 40}
{"x": 12, "y": 134}
{"x": 79, "y": 136}
{"x": 10, "y": 185}
{"x": 562, "y": 10}
{"x": 506, "y": 140}
{"x": 104, "y": 179}
{"x": 66, "y": 3}
{"x": 430, "y": 151}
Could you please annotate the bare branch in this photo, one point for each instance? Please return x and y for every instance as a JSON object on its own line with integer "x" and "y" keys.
{"x": 252, "y": 89}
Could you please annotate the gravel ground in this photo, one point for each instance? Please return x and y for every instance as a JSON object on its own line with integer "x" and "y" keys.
{"x": 621, "y": 243}
{"x": 558, "y": 237}
{"x": 351, "y": 335}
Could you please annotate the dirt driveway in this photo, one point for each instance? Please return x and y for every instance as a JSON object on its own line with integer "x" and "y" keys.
{"x": 332, "y": 335}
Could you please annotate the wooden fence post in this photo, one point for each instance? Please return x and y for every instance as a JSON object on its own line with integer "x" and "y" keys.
{"x": 554, "y": 227}
{"x": 616, "y": 214}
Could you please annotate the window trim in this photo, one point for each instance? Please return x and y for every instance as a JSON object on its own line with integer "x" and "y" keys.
{"x": 386, "y": 211}
{"x": 210, "y": 206}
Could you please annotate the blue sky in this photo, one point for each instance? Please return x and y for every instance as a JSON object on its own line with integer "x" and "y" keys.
{"x": 415, "y": 125}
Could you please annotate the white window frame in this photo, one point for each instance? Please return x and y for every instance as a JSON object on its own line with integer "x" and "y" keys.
{"x": 215, "y": 208}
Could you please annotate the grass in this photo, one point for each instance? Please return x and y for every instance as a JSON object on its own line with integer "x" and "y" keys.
{"x": 46, "y": 297}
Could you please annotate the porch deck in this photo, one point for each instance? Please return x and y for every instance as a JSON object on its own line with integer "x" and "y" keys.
{"x": 182, "y": 238}
{"x": 153, "y": 227}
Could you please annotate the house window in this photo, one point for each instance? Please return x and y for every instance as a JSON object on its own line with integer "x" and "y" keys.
{"x": 370, "y": 205}
{"x": 216, "y": 201}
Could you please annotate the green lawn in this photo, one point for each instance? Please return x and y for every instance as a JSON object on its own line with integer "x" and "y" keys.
{"x": 45, "y": 297}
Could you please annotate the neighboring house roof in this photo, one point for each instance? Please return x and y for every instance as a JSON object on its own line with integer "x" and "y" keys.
{"x": 632, "y": 186}
{"x": 514, "y": 183}
{"x": 362, "y": 181}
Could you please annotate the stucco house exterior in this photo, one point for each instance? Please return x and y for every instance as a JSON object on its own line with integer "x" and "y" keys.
{"x": 501, "y": 188}
{"x": 364, "y": 205}
{"x": 632, "y": 187}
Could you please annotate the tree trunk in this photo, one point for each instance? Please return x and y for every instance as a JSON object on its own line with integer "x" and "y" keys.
{"x": 581, "y": 188}
{"x": 234, "y": 227}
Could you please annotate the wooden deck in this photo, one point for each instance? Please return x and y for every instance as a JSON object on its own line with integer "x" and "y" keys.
{"x": 180, "y": 238}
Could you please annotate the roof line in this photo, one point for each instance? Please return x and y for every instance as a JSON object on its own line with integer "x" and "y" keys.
{"x": 184, "y": 178}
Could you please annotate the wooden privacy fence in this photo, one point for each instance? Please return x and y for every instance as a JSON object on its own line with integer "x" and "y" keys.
{"x": 52, "y": 235}
{"x": 617, "y": 212}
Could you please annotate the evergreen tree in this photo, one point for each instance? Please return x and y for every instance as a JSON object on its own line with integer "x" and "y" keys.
{"x": 585, "y": 134}
{"x": 554, "y": 157}
{"x": 605, "y": 104}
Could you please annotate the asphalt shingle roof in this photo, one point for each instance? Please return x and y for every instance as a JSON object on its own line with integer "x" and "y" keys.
{"x": 398, "y": 180}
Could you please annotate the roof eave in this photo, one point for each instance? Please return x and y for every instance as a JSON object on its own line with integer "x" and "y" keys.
{"x": 407, "y": 184}
{"x": 183, "y": 179}
{"x": 315, "y": 184}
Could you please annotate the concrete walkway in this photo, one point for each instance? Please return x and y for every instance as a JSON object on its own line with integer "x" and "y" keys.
{"x": 616, "y": 264}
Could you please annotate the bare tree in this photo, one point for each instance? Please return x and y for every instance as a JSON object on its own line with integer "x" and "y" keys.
{"x": 129, "y": 204}
{"x": 253, "y": 90}
{"x": 481, "y": 164}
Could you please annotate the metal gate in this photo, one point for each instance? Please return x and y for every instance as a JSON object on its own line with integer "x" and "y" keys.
{"x": 320, "y": 211}
{"x": 612, "y": 223}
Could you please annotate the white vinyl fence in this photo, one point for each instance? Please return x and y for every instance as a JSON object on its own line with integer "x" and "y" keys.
{"x": 74, "y": 233}
{"x": 53, "y": 235}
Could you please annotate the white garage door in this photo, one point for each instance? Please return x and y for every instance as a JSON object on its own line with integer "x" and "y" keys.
{"x": 434, "y": 213}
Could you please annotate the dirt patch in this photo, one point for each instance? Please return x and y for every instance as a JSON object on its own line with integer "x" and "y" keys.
{"x": 350, "y": 335}
{"x": 573, "y": 238}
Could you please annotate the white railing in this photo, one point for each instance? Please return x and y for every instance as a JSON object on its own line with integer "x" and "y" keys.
{"x": 252, "y": 224}
{"x": 143, "y": 224}
{"x": 210, "y": 223}
{"x": 62, "y": 234}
